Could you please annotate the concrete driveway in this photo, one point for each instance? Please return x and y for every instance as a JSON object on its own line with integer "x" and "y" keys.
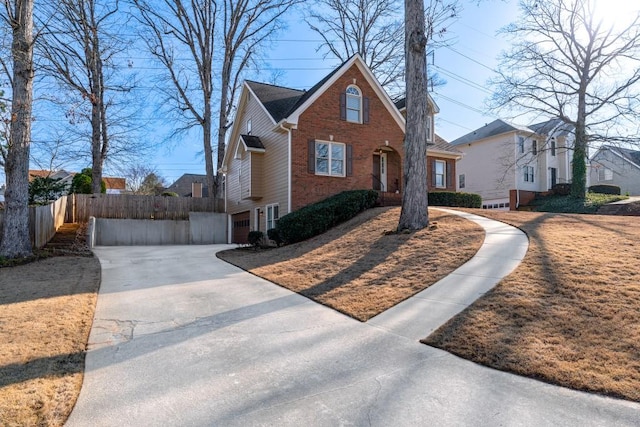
{"x": 183, "y": 339}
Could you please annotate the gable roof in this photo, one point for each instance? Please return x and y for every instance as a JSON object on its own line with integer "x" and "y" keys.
{"x": 626, "y": 154}
{"x": 497, "y": 127}
{"x": 555, "y": 126}
{"x": 277, "y": 100}
{"x": 183, "y": 185}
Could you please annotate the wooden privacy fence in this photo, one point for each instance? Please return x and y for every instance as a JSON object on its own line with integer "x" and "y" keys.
{"x": 125, "y": 206}
{"x": 44, "y": 221}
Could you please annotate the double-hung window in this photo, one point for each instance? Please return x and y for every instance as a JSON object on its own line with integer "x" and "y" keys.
{"x": 330, "y": 158}
{"x": 272, "y": 216}
{"x": 520, "y": 145}
{"x": 528, "y": 174}
{"x": 534, "y": 147}
{"x": 553, "y": 146}
{"x": 605, "y": 174}
{"x": 440, "y": 173}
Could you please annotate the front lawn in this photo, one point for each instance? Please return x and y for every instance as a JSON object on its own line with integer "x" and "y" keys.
{"x": 359, "y": 270}
{"x": 569, "y": 314}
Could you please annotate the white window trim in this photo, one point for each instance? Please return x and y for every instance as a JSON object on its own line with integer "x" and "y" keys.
{"x": 528, "y": 169}
{"x": 249, "y": 126}
{"x": 273, "y": 220}
{"x": 521, "y": 142}
{"x": 444, "y": 174}
{"x": 359, "y": 104}
{"x": 344, "y": 158}
{"x": 429, "y": 128}
{"x": 462, "y": 180}
{"x": 604, "y": 171}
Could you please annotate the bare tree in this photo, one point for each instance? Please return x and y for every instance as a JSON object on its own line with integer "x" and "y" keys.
{"x": 15, "y": 231}
{"x": 243, "y": 25}
{"x": 414, "y": 213}
{"x": 374, "y": 29}
{"x": 78, "y": 48}
{"x": 566, "y": 62}
{"x": 144, "y": 179}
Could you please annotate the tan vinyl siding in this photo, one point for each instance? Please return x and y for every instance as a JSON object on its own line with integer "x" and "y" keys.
{"x": 267, "y": 176}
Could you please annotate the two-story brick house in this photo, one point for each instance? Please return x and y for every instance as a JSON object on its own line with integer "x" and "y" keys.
{"x": 289, "y": 148}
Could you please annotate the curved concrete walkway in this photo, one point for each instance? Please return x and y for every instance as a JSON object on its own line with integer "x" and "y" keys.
{"x": 503, "y": 249}
{"x": 181, "y": 338}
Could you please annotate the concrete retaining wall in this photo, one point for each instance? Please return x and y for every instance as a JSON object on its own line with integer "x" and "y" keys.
{"x": 201, "y": 229}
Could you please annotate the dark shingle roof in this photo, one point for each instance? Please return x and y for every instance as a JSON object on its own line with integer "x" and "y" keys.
{"x": 281, "y": 101}
{"x": 278, "y": 100}
{"x": 183, "y": 185}
{"x": 401, "y": 103}
{"x": 557, "y": 126}
{"x": 631, "y": 155}
{"x": 496, "y": 127}
{"x": 252, "y": 141}
{"x": 440, "y": 144}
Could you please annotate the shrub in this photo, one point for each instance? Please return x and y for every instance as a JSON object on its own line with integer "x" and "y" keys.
{"x": 274, "y": 234}
{"x": 255, "y": 238}
{"x": 605, "y": 189}
{"x": 459, "y": 200}
{"x": 81, "y": 183}
{"x": 170, "y": 194}
{"x": 317, "y": 218}
{"x": 45, "y": 189}
{"x": 563, "y": 189}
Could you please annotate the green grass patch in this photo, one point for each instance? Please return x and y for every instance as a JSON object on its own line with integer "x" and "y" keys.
{"x": 568, "y": 204}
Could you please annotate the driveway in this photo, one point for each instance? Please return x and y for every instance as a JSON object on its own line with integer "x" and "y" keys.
{"x": 183, "y": 339}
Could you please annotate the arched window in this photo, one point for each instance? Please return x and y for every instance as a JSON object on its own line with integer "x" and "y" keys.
{"x": 354, "y": 104}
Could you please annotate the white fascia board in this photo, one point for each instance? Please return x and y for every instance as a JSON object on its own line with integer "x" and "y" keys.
{"x": 445, "y": 154}
{"x": 373, "y": 82}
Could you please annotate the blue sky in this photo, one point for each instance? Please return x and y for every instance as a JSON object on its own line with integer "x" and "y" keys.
{"x": 466, "y": 66}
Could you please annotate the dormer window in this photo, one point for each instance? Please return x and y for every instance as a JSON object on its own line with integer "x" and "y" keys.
{"x": 354, "y": 104}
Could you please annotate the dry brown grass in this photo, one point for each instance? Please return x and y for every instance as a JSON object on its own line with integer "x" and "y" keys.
{"x": 46, "y": 310}
{"x": 356, "y": 269}
{"x": 569, "y": 314}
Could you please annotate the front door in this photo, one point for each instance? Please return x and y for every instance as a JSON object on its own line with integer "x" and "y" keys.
{"x": 554, "y": 177}
{"x": 379, "y": 172}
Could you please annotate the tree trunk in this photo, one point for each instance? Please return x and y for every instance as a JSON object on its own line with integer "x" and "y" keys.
{"x": 578, "y": 166}
{"x": 208, "y": 151}
{"x": 414, "y": 214}
{"x": 15, "y": 232}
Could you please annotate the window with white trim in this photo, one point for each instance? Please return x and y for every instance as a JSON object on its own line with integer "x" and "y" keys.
{"x": 553, "y": 147}
{"x": 520, "y": 145}
{"x": 528, "y": 174}
{"x": 272, "y": 215}
{"x": 330, "y": 158}
{"x": 354, "y": 104}
{"x": 429, "y": 126}
{"x": 461, "y": 179}
{"x": 605, "y": 174}
{"x": 441, "y": 169}
{"x": 534, "y": 147}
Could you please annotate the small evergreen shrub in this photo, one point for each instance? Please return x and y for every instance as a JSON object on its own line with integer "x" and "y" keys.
{"x": 255, "y": 238}
{"x": 317, "y": 218}
{"x": 452, "y": 199}
{"x": 170, "y": 194}
{"x": 563, "y": 189}
{"x": 605, "y": 189}
{"x": 274, "y": 235}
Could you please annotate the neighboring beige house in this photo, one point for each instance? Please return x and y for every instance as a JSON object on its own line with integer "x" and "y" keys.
{"x": 289, "y": 148}
{"x": 616, "y": 166}
{"x": 190, "y": 185}
{"x": 502, "y": 156}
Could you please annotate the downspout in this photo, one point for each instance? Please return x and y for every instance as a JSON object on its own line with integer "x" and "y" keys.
{"x": 288, "y": 130}
{"x": 515, "y": 172}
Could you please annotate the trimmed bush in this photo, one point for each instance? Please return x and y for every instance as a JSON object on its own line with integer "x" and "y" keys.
{"x": 317, "y": 218}
{"x": 274, "y": 235}
{"x": 605, "y": 189}
{"x": 563, "y": 189}
{"x": 458, "y": 200}
{"x": 255, "y": 238}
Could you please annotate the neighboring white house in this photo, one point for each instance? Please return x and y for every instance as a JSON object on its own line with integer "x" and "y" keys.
{"x": 616, "y": 166}
{"x": 502, "y": 156}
